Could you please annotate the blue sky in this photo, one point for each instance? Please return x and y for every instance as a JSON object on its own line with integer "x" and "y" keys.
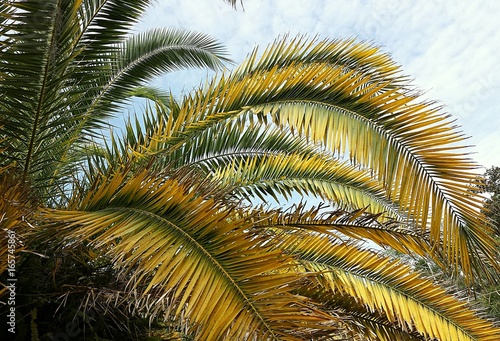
{"x": 451, "y": 48}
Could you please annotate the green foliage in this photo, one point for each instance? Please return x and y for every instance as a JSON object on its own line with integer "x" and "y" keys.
{"x": 492, "y": 204}
{"x": 67, "y": 66}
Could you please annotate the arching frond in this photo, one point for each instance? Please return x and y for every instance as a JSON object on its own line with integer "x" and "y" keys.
{"x": 349, "y": 54}
{"x": 318, "y": 176}
{"x": 340, "y": 224}
{"x": 390, "y": 289}
{"x": 170, "y": 242}
{"x": 411, "y": 146}
{"x": 152, "y": 53}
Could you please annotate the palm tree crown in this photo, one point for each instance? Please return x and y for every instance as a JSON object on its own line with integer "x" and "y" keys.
{"x": 168, "y": 221}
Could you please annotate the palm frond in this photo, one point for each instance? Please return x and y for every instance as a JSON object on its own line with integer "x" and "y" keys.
{"x": 170, "y": 242}
{"x": 357, "y": 225}
{"x": 353, "y": 56}
{"x": 225, "y": 141}
{"x": 317, "y": 176}
{"x": 409, "y": 145}
{"x": 152, "y": 53}
{"x": 404, "y": 298}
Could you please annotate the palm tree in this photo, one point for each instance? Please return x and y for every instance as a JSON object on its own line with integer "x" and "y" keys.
{"x": 176, "y": 203}
{"x": 167, "y": 224}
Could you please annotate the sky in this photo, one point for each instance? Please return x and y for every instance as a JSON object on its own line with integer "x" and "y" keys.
{"x": 450, "y": 48}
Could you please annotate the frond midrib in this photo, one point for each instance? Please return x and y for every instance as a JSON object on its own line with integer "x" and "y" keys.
{"x": 41, "y": 96}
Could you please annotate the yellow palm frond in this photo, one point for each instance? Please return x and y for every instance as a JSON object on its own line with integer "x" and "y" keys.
{"x": 357, "y": 225}
{"x": 171, "y": 242}
{"x": 390, "y": 289}
{"x": 362, "y": 111}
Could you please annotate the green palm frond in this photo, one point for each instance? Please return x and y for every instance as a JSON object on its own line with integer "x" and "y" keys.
{"x": 385, "y": 287}
{"x": 322, "y": 177}
{"x": 172, "y": 243}
{"x": 152, "y": 53}
{"x": 226, "y": 141}
{"x": 67, "y": 66}
{"x": 157, "y": 51}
